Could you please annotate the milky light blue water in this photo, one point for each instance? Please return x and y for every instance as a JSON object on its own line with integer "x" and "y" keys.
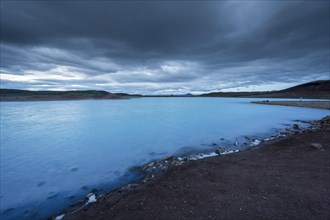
{"x": 53, "y": 153}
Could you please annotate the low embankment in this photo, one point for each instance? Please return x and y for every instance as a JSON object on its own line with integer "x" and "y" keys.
{"x": 309, "y": 104}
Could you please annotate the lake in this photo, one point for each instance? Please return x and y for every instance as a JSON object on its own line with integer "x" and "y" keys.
{"x": 55, "y": 152}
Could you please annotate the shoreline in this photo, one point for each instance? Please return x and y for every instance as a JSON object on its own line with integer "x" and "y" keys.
{"x": 34, "y": 99}
{"x": 155, "y": 170}
{"x": 305, "y": 104}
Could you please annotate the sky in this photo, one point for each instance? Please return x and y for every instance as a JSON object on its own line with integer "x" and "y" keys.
{"x": 163, "y": 47}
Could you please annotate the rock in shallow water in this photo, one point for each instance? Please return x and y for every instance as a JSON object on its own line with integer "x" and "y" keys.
{"x": 296, "y": 126}
{"x": 218, "y": 151}
{"x": 169, "y": 158}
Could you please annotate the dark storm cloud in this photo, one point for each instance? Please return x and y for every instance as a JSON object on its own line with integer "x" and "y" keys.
{"x": 148, "y": 46}
{"x": 158, "y": 27}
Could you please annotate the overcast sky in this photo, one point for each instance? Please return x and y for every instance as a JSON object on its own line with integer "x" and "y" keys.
{"x": 163, "y": 47}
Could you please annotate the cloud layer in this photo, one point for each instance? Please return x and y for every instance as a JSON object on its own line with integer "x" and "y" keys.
{"x": 161, "y": 47}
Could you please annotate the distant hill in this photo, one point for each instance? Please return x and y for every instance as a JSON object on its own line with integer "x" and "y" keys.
{"x": 316, "y": 90}
{"x": 188, "y": 95}
{"x": 26, "y": 95}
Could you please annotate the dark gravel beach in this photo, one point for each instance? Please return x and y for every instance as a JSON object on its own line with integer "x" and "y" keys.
{"x": 281, "y": 179}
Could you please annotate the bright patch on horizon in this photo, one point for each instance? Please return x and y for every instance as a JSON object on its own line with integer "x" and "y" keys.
{"x": 58, "y": 73}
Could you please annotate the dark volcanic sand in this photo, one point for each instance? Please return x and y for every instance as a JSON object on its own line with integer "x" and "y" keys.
{"x": 286, "y": 179}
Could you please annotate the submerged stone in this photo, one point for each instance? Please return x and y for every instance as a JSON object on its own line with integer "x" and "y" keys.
{"x": 136, "y": 169}
{"x": 51, "y": 196}
{"x": 74, "y": 169}
{"x": 84, "y": 188}
{"x": 72, "y": 197}
{"x": 8, "y": 210}
{"x": 41, "y": 183}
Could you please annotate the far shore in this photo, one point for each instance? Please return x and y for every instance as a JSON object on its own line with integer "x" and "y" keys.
{"x": 308, "y": 104}
{"x": 55, "y": 98}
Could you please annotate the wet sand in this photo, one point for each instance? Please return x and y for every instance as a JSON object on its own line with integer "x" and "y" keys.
{"x": 309, "y": 104}
{"x": 280, "y": 179}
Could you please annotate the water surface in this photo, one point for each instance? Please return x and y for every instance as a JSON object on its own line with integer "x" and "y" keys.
{"x": 54, "y": 152}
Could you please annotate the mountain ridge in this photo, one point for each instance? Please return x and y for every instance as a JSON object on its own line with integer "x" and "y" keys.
{"x": 316, "y": 89}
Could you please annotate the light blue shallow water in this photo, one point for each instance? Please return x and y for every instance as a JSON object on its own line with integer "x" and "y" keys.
{"x": 51, "y": 150}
